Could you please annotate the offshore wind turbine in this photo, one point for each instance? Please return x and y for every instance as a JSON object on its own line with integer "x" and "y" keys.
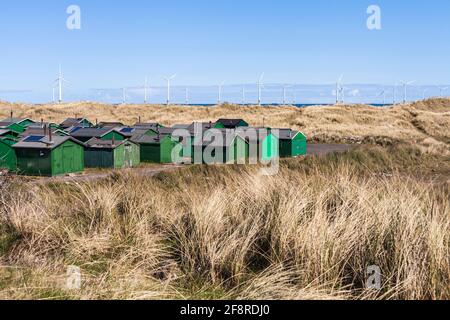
{"x": 260, "y": 86}
{"x": 441, "y": 90}
{"x": 60, "y": 80}
{"x": 339, "y": 88}
{"x": 168, "y": 79}
{"x": 405, "y": 85}
{"x": 186, "y": 96}
{"x": 220, "y": 92}
{"x": 124, "y": 95}
{"x": 423, "y": 93}
{"x": 383, "y": 94}
{"x": 284, "y": 93}
{"x": 243, "y": 94}
{"x": 146, "y": 90}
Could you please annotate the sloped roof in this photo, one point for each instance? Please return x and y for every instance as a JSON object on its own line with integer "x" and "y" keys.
{"x": 15, "y": 120}
{"x": 181, "y": 126}
{"x": 227, "y": 138}
{"x": 40, "y": 142}
{"x": 230, "y": 123}
{"x": 4, "y": 131}
{"x": 105, "y": 124}
{"x": 150, "y": 125}
{"x": 104, "y": 144}
{"x": 143, "y": 138}
{"x": 36, "y": 131}
{"x": 91, "y": 132}
{"x": 72, "y": 122}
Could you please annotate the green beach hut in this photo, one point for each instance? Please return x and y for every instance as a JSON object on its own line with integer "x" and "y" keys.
{"x": 8, "y": 159}
{"x": 230, "y": 124}
{"x": 220, "y": 146}
{"x": 111, "y": 154}
{"x": 49, "y": 156}
{"x": 157, "y": 148}
{"x": 292, "y": 143}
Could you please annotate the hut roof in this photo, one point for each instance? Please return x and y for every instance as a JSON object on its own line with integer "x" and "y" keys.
{"x": 227, "y": 138}
{"x": 105, "y": 124}
{"x": 9, "y": 121}
{"x": 91, "y": 132}
{"x": 72, "y": 122}
{"x": 104, "y": 144}
{"x": 4, "y": 131}
{"x": 37, "y": 131}
{"x": 143, "y": 138}
{"x": 231, "y": 123}
{"x": 43, "y": 142}
{"x": 150, "y": 125}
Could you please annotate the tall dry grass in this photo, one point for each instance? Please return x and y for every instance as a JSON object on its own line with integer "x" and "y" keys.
{"x": 309, "y": 232}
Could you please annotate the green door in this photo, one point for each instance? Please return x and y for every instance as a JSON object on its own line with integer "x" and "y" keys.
{"x": 68, "y": 161}
{"x": 127, "y": 160}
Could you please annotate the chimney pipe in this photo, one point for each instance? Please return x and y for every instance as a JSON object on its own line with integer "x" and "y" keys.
{"x": 42, "y": 122}
{"x": 11, "y": 114}
{"x": 139, "y": 119}
{"x": 50, "y": 139}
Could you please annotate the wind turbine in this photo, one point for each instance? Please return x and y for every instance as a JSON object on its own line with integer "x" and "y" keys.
{"x": 124, "y": 95}
{"x": 146, "y": 90}
{"x": 284, "y": 93}
{"x": 383, "y": 94}
{"x": 187, "y": 96}
{"x": 168, "y": 79}
{"x": 60, "y": 81}
{"x": 423, "y": 93}
{"x": 394, "y": 94}
{"x": 339, "y": 88}
{"x": 220, "y": 92}
{"x": 260, "y": 86}
{"x": 243, "y": 94}
{"x": 442, "y": 89}
{"x": 405, "y": 85}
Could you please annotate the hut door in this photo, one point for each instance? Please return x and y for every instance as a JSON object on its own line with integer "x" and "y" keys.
{"x": 127, "y": 159}
{"x": 67, "y": 159}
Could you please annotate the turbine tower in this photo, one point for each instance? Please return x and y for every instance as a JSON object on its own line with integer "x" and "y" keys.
{"x": 243, "y": 94}
{"x": 168, "y": 79}
{"x": 405, "y": 85}
{"x": 220, "y": 92}
{"x": 339, "y": 88}
{"x": 284, "y": 93}
{"x": 187, "y": 96}
{"x": 124, "y": 95}
{"x": 146, "y": 90}
{"x": 260, "y": 86}
{"x": 423, "y": 93}
{"x": 383, "y": 94}
{"x": 60, "y": 80}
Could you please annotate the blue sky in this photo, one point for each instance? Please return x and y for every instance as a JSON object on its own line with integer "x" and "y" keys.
{"x": 209, "y": 41}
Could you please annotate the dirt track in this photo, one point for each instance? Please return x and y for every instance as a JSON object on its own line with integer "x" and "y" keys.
{"x": 324, "y": 149}
{"x": 313, "y": 150}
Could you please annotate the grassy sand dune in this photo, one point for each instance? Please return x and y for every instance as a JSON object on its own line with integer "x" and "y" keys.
{"x": 426, "y": 123}
{"x": 228, "y": 232}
